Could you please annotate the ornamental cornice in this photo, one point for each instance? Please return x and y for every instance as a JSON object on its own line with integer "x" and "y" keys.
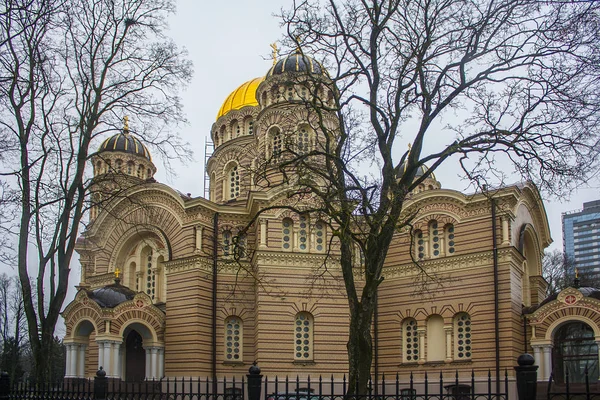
{"x": 444, "y": 264}
{"x": 296, "y": 259}
{"x": 185, "y": 264}
{"x": 97, "y": 281}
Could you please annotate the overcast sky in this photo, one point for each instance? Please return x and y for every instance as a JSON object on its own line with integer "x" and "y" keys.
{"x": 229, "y": 45}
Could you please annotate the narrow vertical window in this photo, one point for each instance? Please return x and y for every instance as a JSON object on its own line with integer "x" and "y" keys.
{"x": 303, "y": 344}
{"x": 226, "y": 243}
{"x": 150, "y": 275}
{"x": 410, "y": 340}
{"x": 235, "y": 128}
{"x": 320, "y": 236}
{"x": 303, "y": 233}
{"x": 449, "y": 232}
{"x": 462, "y": 336}
{"x": 241, "y": 246}
{"x": 140, "y": 171}
{"x": 419, "y": 244}
{"x": 287, "y": 226}
{"x": 303, "y": 140}
{"x": 249, "y": 126}
{"x": 276, "y": 144}
{"x": 290, "y": 93}
{"x": 434, "y": 237}
{"x": 234, "y": 182}
{"x": 130, "y": 168}
{"x": 233, "y": 339}
{"x": 119, "y": 166}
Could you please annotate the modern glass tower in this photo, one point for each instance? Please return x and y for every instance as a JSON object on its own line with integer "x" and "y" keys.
{"x": 581, "y": 239}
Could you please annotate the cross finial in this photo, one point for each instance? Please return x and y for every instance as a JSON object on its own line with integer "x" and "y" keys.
{"x": 126, "y": 124}
{"x": 117, "y": 273}
{"x": 274, "y": 53}
{"x": 576, "y": 274}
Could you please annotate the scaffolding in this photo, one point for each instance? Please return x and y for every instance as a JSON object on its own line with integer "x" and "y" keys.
{"x": 209, "y": 148}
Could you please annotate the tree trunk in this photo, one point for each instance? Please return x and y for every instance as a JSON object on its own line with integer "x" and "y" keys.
{"x": 360, "y": 351}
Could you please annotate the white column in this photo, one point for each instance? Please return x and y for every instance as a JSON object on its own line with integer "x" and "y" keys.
{"x": 148, "y": 361}
{"x": 199, "y": 230}
{"x": 154, "y": 366}
{"x": 115, "y": 370}
{"x": 547, "y": 362}
{"x": 505, "y": 230}
{"x": 68, "y": 372}
{"x": 448, "y": 329}
{"x": 263, "y": 233}
{"x": 421, "y": 333}
{"x": 100, "y": 355}
{"x": 74, "y": 356}
{"x": 81, "y": 366}
{"x": 161, "y": 362}
{"x": 107, "y": 365}
{"x": 537, "y": 355}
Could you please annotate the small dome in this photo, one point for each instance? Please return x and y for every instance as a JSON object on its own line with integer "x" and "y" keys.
{"x": 111, "y": 296}
{"x": 125, "y": 143}
{"x": 420, "y": 171}
{"x": 297, "y": 62}
{"x": 243, "y": 96}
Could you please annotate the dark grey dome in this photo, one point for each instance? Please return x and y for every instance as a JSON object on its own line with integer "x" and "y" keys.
{"x": 422, "y": 170}
{"x": 111, "y": 296}
{"x": 297, "y": 62}
{"x": 126, "y": 143}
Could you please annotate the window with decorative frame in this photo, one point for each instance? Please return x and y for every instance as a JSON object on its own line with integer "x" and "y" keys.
{"x": 241, "y": 245}
{"x": 320, "y": 235}
{"x": 410, "y": 340}
{"x": 236, "y": 129}
{"x": 462, "y": 336}
{"x": 276, "y": 143}
{"x": 303, "y": 233}
{"x": 248, "y": 125}
{"x": 419, "y": 244}
{"x": 232, "y": 183}
{"x": 303, "y": 337}
{"x": 226, "y": 243}
{"x": 449, "y": 236}
{"x": 434, "y": 239}
{"x": 303, "y": 139}
{"x": 287, "y": 229}
{"x": 233, "y": 339}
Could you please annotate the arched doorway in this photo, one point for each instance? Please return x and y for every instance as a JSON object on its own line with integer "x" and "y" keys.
{"x": 575, "y": 349}
{"x": 135, "y": 357}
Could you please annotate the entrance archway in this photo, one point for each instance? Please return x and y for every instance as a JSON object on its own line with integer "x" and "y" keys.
{"x": 135, "y": 357}
{"x": 575, "y": 349}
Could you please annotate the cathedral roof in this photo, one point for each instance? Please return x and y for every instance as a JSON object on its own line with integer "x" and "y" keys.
{"x": 297, "y": 62}
{"x": 126, "y": 143}
{"x": 111, "y": 296}
{"x": 243, "y": 96}
{"x": 420, "y": 171}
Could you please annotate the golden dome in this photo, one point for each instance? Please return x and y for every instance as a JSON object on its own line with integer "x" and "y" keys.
{"x": 243, "y": 96}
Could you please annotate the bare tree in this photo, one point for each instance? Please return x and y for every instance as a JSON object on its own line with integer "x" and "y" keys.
{"x": 555, "y": 266}
{"x": 487, "y": 83}
{"x": 69, "y": 71}
{"x": 13, "y": 326}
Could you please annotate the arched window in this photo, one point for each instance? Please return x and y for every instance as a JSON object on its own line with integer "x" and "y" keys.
{"x": 226, "y": 243}
{"x": 233, "y": 339}
{"x": 462, "y": 336}
{"x": 289, "y": 92}
{"x": 232, "y": 182}
{"x": 410, "y": 340}
{"x": 303, "y": 233}
{"x": 303, "y": 342}
{"x": 303, "y": 140}
{"x": 130, "y": 168}
{"x": 249, "y": 126}
{"x": 276, "y": 143}
{"x": 575, "y": 350}
{"x": 287, "y": 226}
{"x": 222, "y": 135}
{"x": 436, "y": 338}
{"x": 241, "y": 245}
{"x": 150, "y": 263}
{"x": 419, "y": 244}
{"x": 140, "y": 171}
{"x": 235, "y": 129}
{"x": 119, "y": 166}
{"x": 449, "y": 236}
{"x": 320, "y": 236}
{"x": 434, "y": 239}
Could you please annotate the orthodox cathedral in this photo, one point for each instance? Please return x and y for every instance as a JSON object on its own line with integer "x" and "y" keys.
{"x": 177, "y": 286}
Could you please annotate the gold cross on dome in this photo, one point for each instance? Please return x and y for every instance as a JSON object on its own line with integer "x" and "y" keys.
{"x": 117, "y": 273}
{"x": 274, "y": 53}
{"x": 126, "y": 123}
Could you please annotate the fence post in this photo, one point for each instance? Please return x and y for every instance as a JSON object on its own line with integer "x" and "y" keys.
{"x": 254, "y": 382}
{"x": 4, "y": 386}
{"x": 526, "y": 377}
{"x": 100, "y": 385}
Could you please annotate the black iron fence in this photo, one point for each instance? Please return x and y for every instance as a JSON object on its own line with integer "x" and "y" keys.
{"x": 257, "y": 387}
{"x": 567, "y": 390}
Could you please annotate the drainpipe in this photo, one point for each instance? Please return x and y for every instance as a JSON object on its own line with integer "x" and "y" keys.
{"x": 214, "y": 302}
{"x": 496, "y": 296}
